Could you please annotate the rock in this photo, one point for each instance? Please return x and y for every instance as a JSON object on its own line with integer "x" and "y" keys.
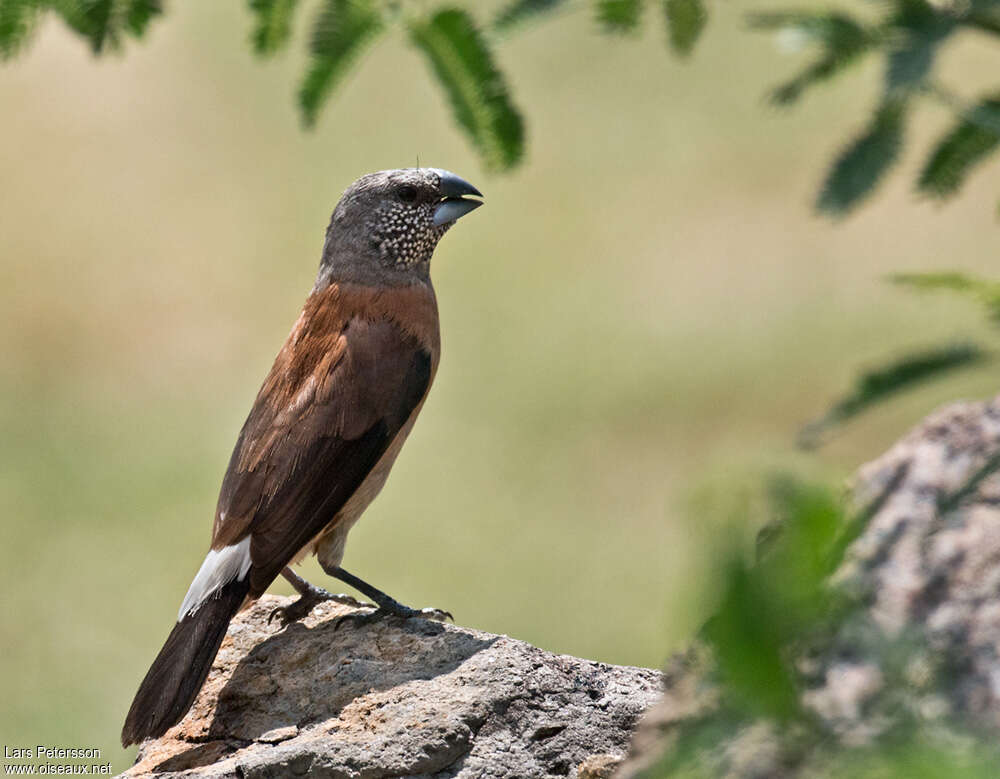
{"x": 393, "y": 699}
{"x": 599, "y": 766}
{"x": 919, "y": 653}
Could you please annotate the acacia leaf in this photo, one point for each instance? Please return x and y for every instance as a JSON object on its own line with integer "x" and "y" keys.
{"x": 342, "y": 29}
{"x": 882, "y": 383}
{"x": 476, "y": 90}
{"x": 972, "y": 139}
{"x": 983, "y": 291}
{"x": 619, "y": 16}
{"x": 18, "y": 19}
{"x": 843, "y": 41}
{"x": 520, "y": 12}
{"x": 918, "y": 29}
{"x": 90, "y": 18}
{"x": 862, "y": 165}
{"x": 273, "y": 26}
{"x": 746, "y": 634}
{"x": 685, "y": 21}
{"x": 140, "y": 13}
{"x": 104, "y": 22}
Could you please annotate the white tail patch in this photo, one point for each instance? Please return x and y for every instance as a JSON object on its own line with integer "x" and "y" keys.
{"x": 220, "y": 568}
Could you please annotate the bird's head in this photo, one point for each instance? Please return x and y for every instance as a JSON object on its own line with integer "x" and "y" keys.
{"x": 387, "y": 224}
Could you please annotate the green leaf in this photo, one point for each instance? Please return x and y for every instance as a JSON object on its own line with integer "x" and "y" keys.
{"x": 983, "y": 291}
{"x": 619, "y": 16}
{"x": 685, "y": 21}
{"x": 342, "y": 29}
{"x": 973, "y": 138}
{"x": 475, "y": 87}
{"x": 946, "y": 280}
{"x": 90, "y": 18}
{"x": 768, "y": 608}
{"x": 520, "y": 12}
{"x": 273, "y": 25}
{"x": 910, "y": 62}
{"x": 747, "y": 635}
{"x": 918, "y": 29}
{"x": 842, "y": 39}
{"x": 140, "y": 13}
{"x": 810, "y": 520}
{"x": 104, "y": 22}
{"x": 18, "y": 19}
{"x": 887, "y": 381}
{"x": 865, "y": 161}
{"x": 984, "y": 15}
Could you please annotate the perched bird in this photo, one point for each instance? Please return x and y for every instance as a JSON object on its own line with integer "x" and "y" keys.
{"x": 325, "y": 429}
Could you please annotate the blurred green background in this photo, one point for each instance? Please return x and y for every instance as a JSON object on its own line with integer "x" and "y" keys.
{"x": 636, "y": 324}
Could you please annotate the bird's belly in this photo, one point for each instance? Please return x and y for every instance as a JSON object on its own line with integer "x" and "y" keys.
{"x": 329, "y": 544}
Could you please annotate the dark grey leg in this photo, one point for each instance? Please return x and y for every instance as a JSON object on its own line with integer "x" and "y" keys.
{"x": 387, "y": 606}
{"x": 309, "y": 596}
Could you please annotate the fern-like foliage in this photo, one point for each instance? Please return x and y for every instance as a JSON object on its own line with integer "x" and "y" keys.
{"x": 619, "y": 16}
{"x": 685, "y": 21}
{"x": 887, "y": 381}
{"x": 521, "y": 12}
{"x": 913, "y": 32}
{"x": 841, "y": 39}
{"x": 104, "y": 24}
{"x": 983, "y": 291}
{"x": 478, "y": 94}
{"x": 908, "y": 36}
{"x": 974, "y": 137}
{"x": 17, "y": 24}
{"x": 865, "y": 161}
{"x": 341, "y": 31}
{"x": 273, "y": 24}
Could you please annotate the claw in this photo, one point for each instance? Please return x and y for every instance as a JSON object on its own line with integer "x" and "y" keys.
{"x": 293, "y": 612}
{"x": 300, "y": 608}
{"x": 439, "y": 615}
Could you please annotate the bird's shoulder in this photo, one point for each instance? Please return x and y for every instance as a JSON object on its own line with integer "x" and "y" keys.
{"x": 344, "y": 320}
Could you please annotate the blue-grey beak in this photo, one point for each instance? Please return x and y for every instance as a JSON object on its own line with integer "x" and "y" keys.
{"x": 454, "y": 205}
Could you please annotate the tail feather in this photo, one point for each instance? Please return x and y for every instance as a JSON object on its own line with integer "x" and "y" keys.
{"x": 179, "y": 670}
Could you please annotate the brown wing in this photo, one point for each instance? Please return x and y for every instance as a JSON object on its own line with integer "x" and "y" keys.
{"x": 330, "y": 408}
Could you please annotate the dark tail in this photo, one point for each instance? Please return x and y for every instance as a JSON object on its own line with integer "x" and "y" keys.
{"x": 178, "y": 672}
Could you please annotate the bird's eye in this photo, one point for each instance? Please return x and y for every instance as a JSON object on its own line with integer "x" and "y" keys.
{"x": 407, "y": 193}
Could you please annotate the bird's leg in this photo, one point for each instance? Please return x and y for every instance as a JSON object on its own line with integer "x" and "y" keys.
{"x": 387, "y": 606}
{"x": 309, "y": 596}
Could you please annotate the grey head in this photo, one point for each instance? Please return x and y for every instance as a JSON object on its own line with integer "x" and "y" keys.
{"x": 387, "y": 224}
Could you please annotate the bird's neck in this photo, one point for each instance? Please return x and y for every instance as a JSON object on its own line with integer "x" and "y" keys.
{"x": 369, "y": 272}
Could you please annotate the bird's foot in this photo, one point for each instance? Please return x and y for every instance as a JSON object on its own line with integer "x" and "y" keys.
{"x": 392, "y": 608}
{"x": 309, "y": 599}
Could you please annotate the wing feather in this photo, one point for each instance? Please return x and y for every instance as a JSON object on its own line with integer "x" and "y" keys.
{"x": 328, "y": 411}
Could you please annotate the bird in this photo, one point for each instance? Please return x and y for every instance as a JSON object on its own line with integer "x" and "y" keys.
{"x": 324, "y": 430}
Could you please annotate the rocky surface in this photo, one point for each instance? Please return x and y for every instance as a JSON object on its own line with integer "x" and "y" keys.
{"x": 915, "y": 656}
{"x": 922, "y": 650}
{"x": 393, "y": 699}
